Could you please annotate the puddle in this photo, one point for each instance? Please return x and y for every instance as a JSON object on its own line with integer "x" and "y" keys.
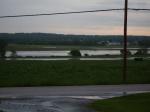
{"x": 53, "y": 104}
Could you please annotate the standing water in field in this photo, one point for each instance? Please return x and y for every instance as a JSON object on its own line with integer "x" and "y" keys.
{"x": 66, "y": 53}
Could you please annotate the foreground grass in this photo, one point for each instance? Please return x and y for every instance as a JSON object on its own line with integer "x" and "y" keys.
{"x": 72, "y": 72}
{"x": 131, "y": 103}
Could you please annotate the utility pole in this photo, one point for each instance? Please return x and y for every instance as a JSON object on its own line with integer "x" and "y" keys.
{"x": 125, "y": 42}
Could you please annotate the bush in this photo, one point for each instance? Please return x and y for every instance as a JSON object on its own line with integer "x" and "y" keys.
{"x": 142, "y": 52}
{"x": 75, "y": 53}
{"x": 86, "y": 55}
{"x": 128, "y": 52}
{"x": 138, "y": 59}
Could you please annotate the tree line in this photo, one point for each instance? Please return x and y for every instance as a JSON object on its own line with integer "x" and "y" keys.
{"x": 61, "y": 39}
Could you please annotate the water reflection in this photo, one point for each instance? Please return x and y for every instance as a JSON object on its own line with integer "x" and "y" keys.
{"x": 103, "y": 54}
{"x": 48, "y": 59}
{"x": 66, "y": 53}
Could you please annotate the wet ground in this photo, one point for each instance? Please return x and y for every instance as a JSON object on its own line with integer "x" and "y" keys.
{"x": 61, "y": 99}
{"x": 49, "y": 104}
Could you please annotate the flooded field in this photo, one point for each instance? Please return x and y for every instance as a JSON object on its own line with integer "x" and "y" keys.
{"x": 65, "y": 53}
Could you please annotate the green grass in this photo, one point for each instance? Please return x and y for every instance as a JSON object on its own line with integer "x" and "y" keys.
{"x": 131, "y": 103}
{"x": 72, "y": 72}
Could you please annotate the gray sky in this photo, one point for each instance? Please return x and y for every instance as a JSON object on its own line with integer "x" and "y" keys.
{"x": 101, "y": 23}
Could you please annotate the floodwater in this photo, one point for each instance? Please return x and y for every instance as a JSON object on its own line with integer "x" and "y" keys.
{"x": 50, "y": 55}
{"x": 65, "y": 53}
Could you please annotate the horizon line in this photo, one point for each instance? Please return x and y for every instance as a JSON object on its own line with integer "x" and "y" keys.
{"x": 70, "y": 34}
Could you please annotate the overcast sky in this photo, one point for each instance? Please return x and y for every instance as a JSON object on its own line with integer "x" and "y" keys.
{"x": 101, "y": 23}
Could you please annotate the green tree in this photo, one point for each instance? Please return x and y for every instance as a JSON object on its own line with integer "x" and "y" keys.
{"x": 75, "y": 53}
{"x": 128, "y": 52}
{"x": 142, "y": 51}
{"x": 3, "y": 46}
{"x": 145, "y": 44}
{"x": 13, "y": 53}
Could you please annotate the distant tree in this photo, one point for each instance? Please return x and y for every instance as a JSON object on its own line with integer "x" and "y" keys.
{"x": 144, "y": 44}
{"x": 3, "y": 46}
{"x": 86, "y": 54}
{"x": 138, "y": 59}
{"x": 75, "y": 53}
{"x": 128, "y": 52}
{"x": 13, "y": 53}
{"x": 142, "y": 51}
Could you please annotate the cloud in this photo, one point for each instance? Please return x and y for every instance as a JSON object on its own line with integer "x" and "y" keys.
{"x": 108, "y": 22}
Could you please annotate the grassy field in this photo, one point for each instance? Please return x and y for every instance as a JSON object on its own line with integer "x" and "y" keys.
{"x": 131, "y": 103}
{"x": 72, "y": 72}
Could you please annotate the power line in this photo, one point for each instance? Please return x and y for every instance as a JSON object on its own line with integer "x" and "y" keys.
{"x": 138, "y": 9}
{"x": 60, "y": 13}
{"x": 75, "y": 12}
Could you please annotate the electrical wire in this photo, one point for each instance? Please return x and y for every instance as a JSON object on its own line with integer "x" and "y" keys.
{"x": 75, "y": 12}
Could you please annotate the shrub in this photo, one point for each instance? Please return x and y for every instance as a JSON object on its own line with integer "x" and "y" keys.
{"x": 75, "y": 53}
